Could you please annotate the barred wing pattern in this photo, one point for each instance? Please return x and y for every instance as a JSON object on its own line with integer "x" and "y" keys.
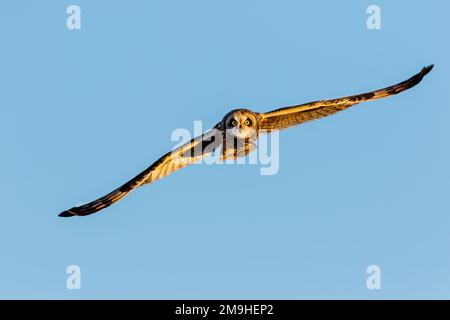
{"x": 294, "y": 115}
{"x": 188, "y": 153}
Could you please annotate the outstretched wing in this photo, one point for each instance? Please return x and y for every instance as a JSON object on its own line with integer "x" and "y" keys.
{"x": 291, "y": 116}
{"x": 188, "y": 153}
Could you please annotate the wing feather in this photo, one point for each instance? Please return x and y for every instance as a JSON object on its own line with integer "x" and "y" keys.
{"x": 290, "y": 116}
{"x": 179, "y": 158}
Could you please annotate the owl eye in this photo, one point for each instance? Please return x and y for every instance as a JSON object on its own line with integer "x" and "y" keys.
{"x": 233, "y": 123}
{"x": 247, "y": 122}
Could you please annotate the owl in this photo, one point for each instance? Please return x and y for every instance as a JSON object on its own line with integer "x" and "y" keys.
{"x": 236, "y": 136}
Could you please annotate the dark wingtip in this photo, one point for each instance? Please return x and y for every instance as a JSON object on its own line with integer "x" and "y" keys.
{"x": 426, "y": 70}
{"x": 66, "y": 214}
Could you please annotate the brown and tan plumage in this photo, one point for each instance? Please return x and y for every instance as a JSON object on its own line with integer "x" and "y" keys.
{"x": 236, "y": 135}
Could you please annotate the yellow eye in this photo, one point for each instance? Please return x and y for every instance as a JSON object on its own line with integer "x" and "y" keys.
{"x": 247, "y": 122}
{"x": 234, "y": 123}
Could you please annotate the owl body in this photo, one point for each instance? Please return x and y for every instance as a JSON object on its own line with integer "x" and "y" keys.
{"x": 240, "y": 133}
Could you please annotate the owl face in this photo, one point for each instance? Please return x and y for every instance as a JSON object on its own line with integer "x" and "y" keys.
{"x": 241, "y": 124}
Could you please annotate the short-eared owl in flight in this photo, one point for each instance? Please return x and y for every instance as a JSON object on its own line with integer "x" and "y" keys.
{"x": 235, "y": 135}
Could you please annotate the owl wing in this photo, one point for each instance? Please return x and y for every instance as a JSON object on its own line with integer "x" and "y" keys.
{"x": 291, "y": 116}
{"x": 188, "y": 153}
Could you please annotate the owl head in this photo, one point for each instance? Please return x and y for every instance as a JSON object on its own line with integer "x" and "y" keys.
{"x": 241, "y": 123}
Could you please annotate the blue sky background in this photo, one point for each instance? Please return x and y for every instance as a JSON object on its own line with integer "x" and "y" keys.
{"x": 83, "y": 111}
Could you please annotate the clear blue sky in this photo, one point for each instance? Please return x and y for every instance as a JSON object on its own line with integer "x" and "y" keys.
{"x": 83, "y": 111}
